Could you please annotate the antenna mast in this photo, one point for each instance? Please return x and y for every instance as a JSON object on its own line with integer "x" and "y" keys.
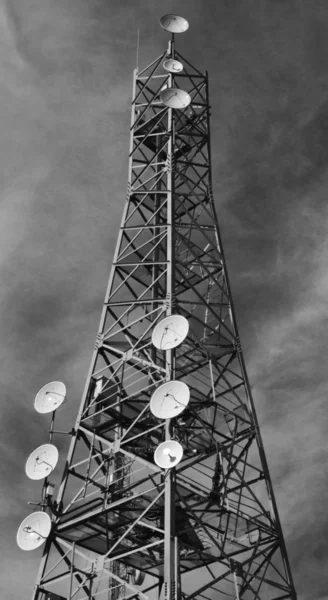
{"x": 166, "y": 493}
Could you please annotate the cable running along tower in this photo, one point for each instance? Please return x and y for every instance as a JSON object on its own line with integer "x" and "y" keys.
{"x": 166, "y": 491}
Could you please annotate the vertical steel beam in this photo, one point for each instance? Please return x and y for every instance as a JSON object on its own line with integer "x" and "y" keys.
{"x": 170, "y": 557}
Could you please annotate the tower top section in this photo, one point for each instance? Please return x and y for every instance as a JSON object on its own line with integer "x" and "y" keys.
{"x": 174, "y": 23}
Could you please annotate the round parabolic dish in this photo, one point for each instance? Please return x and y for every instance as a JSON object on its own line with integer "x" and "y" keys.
{"x": 33, "y": 531}
{"x": 41, "y": 461}
{"x": 175, "y": 98}
{"x": 174, "y": 23}
{"x": 172, "y": 65}
{"x": 50, "y": 397}
{"x": 168, "y": 454}
{"x": 170, "y": 332}
{"x": 170, "y": 399}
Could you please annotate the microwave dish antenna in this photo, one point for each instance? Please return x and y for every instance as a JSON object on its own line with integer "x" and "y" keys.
{"x": 41, "y": 461}
{"x": 170, "y": 332}
{"x": 169, "y": 400}
{"x": 172, "y": 65}
{"x": 33, "y": 531}
{"x": 175, "y": 98}
{"x": 50, "y": 397}
{"x": 168, "y": 454}
{"x": 174, "y": 23}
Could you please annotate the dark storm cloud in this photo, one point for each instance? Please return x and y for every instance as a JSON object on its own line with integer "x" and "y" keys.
{"x": 66, "y": 85}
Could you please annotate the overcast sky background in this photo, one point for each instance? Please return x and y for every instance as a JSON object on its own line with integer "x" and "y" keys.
{"x": 66, "y": 83}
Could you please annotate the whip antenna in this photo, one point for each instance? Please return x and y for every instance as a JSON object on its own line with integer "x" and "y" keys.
{"x": 138, "y": 42}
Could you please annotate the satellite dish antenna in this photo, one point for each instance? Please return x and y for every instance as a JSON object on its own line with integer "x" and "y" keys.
{"x": 174, "y": 23}
{"x": 172, "y": 65}
{"x": 170, "y": 332}
{"x": 33, "y": 531}
{"x": 170, "y": 399}
{"x": 50, "y": 397}
{"x": 168, "y": 454}
{"x": 175, "y": 98}
{"x": 41, "y": 461}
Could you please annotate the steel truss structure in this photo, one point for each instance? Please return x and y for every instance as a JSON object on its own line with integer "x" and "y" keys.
{"x": 122, "y": 526}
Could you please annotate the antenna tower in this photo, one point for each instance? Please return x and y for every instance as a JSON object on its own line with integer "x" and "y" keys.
{"x": 166, "y": 493}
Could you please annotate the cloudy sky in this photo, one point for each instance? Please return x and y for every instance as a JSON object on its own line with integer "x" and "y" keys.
{"x": 65, "y": 81}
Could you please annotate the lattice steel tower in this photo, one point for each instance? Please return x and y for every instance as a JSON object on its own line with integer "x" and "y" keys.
{"x": 166, "y": 491}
